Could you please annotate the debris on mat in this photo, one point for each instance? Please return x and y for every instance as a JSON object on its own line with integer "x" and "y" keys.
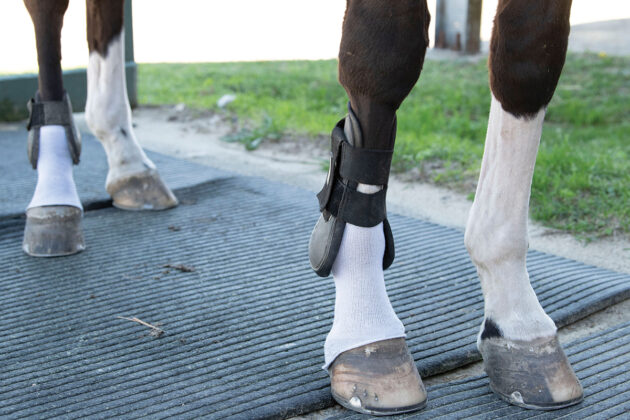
{"x": 155, "y": 330}
{"x": 181, "y": 267}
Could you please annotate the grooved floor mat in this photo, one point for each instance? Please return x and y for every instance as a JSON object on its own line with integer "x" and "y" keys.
{"x": 600, "y": 361}
{"x": 226, "y": 276}
{"x": 18, "y": 180}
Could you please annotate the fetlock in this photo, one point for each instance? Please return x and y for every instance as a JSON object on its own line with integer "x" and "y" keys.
{"x": 110, "y": 123}
{"x": 499, "y": 252}
{"x": 510, "y": 303}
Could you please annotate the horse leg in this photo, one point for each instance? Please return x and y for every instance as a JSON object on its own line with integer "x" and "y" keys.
{"x": 380, "y": 59}
{"x": 132, "y": 180}
{"x": 522, "y": 356}
{"x": 53, "y": 217}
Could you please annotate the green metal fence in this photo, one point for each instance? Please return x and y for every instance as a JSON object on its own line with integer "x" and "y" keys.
{"x": 16, "y": 90}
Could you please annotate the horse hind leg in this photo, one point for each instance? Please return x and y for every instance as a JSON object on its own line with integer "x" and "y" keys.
{"x": 133, "y": 180}
{"x": 380, "y": 58}
{"x": 517, "y": 340}
{"x": 53, "y": 217}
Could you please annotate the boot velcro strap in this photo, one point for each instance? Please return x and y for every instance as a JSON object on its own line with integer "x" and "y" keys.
{"x": 337, "y": 138}
{"x": 357, "y": 208}
{"x": 48, "y": 113}
{"x": 365, "y": 166}
{"x": 350, "y": 166}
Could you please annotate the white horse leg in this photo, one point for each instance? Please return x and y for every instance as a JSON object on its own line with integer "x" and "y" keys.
{"x": 132, "y": 180}
{"x": 518, "y": 342}
{"x": 496, "y": 234}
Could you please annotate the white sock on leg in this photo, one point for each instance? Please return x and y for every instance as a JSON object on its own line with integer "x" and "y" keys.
{"x": 55, "y": 183}
{"x": 363, "y": 312}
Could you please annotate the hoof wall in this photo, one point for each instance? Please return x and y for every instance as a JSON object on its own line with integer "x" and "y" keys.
{"x": 53, "y": 231}
{"x": 143, "y": 191}
{"x": 378, "y": 379}
{"x": 531, "y": 374}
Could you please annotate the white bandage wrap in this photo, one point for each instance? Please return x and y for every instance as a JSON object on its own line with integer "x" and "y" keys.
{"x": 363, "y": 312}
{"x": 55, "y": 183}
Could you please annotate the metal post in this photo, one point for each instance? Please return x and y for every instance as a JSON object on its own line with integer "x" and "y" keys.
{"x": 458, "y": 25}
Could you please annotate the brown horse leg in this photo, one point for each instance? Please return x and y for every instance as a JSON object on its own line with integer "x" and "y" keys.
{"x": 47, "y": 17}
{"x": 53, "y": 218}
{"x": 522, "y": 356}
{"x": 380, "y": 59}
{"x": 132, "y": 180}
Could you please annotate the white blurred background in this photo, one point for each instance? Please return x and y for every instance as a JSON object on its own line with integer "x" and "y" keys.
{"x": 227, "y": 30}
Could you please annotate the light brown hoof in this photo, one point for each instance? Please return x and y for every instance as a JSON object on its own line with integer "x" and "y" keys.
{"x": 53, "y": 231}
{"x": 379, "y": 379}
{"x": 530, "y": 374}
{"x": 142, "y": 191}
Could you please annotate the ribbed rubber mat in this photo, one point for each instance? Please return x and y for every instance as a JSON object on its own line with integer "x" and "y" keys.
{"x": 244, "y": 331}
{"x": 18, "y": 177}
{"x": 600, "y": 361}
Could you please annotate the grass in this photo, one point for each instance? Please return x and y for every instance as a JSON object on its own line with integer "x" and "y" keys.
{"x": 582, "y": 178}
{"x": 9, "y": 112}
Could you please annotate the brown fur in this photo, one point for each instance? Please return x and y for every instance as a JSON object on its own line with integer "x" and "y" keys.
{"x": 527, "y": 52}
{"x": 104, "y": 23}
{"x": 381, "y": 53}
{"x": 47, "y": 17}
{"x": 380, "y": 59}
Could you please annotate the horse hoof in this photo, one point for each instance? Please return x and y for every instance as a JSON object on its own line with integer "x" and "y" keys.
{"x": 531, "y": 374}
{"x": 379, "y": 379}
{"x": 141, "y": 191}
{"x": 53, "y": 231}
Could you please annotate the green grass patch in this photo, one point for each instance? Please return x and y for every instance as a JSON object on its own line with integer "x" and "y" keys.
{"x": 583, "y": 168}
{"x": 9, "y": 112}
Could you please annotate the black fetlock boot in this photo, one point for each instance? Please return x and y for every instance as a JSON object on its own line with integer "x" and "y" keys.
{"x": 339, "y": 200}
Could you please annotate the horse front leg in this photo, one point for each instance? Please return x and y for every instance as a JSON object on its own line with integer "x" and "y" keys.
{"x": 53, "y": 217}
{"x": 132, "y": 181}
{"x": 380, "y": 58}
{"x": 521, "y": 353}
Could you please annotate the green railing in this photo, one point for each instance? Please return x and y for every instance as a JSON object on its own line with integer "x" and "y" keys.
{"x": 16, "y": 90}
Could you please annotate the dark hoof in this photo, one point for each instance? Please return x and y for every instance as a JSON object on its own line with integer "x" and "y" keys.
{"x": 531, "y": 374}
{"x": 53, "y": 231}
{"x": 143, "y": 191}
{"x": 379, "y": 379}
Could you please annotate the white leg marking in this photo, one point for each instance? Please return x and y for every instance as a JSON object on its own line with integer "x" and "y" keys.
{"x": 108, "y": 113}
{"x": 55, "y": 184}
{"x": 496, "y": 233}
